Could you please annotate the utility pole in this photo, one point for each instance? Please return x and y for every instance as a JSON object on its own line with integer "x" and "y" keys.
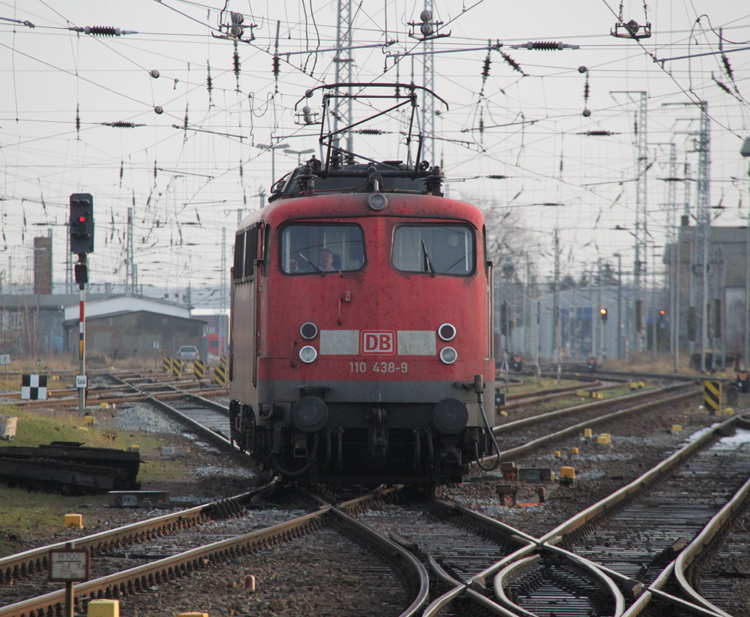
{"x": 654, "y": 310}
{"x": 619, "y": 306}
{"x": 223, "y": 293}
{"x": 641, "y": 230}
{"x": 538, "y": 325}
{"x": 129, "y": 270}
{"x": 557, "y": 317}
{"x": 527, "y": 311}
{"x": 747, "y": 287}
{"x": 600, "y": 354}
{"x": 691, "y": 257}
{"x": 702, "y": 250}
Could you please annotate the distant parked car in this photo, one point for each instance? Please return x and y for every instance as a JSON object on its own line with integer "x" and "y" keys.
{"x": 187, "y": 352}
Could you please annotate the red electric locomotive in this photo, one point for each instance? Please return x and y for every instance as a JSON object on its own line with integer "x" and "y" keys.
{"x": 361, "y": 328}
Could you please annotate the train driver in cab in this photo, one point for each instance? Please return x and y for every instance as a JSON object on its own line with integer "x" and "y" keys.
{"x": 325, "y": 261}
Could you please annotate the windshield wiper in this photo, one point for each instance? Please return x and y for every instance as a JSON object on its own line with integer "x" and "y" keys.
{"x": 427, "y": 260}
{"x": 311, "y": 263}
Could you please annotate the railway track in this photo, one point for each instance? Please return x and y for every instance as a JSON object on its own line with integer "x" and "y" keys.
{"x": 206, "y": 418}
{"x": 125, "y": 391}
{"x": 328, "y": 527}
{"x": 633, "y": 536}
{"x": 522, "y": 436}
{"x": 461, "y": 549}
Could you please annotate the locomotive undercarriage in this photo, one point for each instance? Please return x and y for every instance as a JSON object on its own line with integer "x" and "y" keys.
{"x": 359, "y": 443}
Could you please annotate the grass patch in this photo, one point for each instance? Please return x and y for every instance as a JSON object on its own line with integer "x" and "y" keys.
{"x": 530, "y": 385}
{"x": 26, "y": 514}
{"x": 42, "y": 426}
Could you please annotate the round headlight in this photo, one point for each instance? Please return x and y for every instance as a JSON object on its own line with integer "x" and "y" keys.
{"x": 308, "y": 354}
{"x": 377, "y": 201}
{"x": 447, "y": 332}
{"x": 308, "y": 331}
{"x": 448, "y": 355}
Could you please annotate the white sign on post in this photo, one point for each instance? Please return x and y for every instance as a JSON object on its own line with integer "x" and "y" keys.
{"x": 69, "y": 565}
{"x": 81, "y": 381}
{"x": 5, "y": 358}
{"x": 156, "y": 344}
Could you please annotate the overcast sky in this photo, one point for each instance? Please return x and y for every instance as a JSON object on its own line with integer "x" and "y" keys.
{"x": 186, "y": 185}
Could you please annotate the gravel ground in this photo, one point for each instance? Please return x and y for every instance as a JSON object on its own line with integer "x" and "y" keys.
{"x": 731, "y": 569}
{"x": 310, "y": 577}
{"x": 320, "y": 574}
{"x": 637, "y": 445}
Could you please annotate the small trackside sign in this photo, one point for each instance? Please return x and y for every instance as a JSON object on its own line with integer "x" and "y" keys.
{"x": 380, "y": 342}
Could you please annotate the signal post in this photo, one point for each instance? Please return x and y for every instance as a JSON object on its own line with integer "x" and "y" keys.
{"x": 604, "y": 314}
{"x": 81, "y": 243}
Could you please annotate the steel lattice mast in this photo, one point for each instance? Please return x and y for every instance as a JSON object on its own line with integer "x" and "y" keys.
{"x": 344, "y": 61}
{"x": 641, "y": 230}
{"x": 704, "y": 217}
{"x": 428, "y": 101}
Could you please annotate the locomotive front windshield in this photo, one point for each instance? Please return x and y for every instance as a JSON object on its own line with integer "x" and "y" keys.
{"x": 434, "y": 249}
{"x": 309, "y": 248}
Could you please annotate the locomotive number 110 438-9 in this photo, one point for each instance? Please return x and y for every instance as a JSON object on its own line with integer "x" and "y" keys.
{"x": 378, "y": 367}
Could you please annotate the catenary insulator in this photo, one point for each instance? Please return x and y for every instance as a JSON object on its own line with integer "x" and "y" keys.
{"x": 276, "y": 66}
{"x": 102, "y": 31}
{"x": 544, "y": 45}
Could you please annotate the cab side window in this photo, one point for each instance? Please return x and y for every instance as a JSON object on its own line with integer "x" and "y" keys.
{"x": 434, "y": 249}
{"x": 313, "y": 248}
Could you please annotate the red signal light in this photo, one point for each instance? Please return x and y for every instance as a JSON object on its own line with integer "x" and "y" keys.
{"x": 81, "y": 219}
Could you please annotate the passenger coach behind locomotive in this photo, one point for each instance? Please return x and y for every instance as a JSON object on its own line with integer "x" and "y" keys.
{"x": 361, "y": 314}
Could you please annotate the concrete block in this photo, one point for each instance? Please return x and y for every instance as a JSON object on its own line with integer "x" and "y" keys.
{"x": 73, "y": 520}
{"x": 8, "y": 427}
{"x": 568, "y": 473}
{"x": 137, "y": 499}
{"x": 103, "y": 608}
{"x": 173, "y": 450}
{"x": 536, "y": 474}
{"x": 604, "y": 438}
{"x": 588, "y": 433}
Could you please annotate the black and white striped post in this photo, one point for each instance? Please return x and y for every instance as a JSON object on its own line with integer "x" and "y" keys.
{"x": 80, "y": 383}
{"x": 81, "y": 243}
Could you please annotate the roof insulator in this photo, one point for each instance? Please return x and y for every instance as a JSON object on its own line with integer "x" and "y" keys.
{"x": 102, "y": 31}
{"x": 598, "y": 133}
{"x": 120, "y": 124}
{"x": 545, "y": 46}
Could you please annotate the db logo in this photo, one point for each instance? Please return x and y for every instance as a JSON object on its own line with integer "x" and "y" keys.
{"x": 378, "y": 342}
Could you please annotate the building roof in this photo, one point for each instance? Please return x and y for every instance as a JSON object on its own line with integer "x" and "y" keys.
{"x": 74, "y": 320}
{"x": 115, "y": 304}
